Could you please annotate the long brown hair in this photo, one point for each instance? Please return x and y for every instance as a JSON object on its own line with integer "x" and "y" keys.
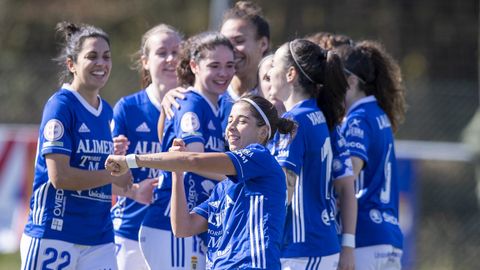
{"x": 379, "y": 75}
{"x": 321, "y": 76}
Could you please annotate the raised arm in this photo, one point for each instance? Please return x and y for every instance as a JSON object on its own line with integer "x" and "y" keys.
{"x": 184, "y": 223}
{"x": 218, "y": 163}
{"x": 63, "y": 176}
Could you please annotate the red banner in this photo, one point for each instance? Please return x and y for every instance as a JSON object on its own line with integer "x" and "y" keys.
{"x": 17, "y": 156}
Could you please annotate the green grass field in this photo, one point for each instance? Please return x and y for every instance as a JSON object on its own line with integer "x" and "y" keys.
{"x": 10, "y": 261}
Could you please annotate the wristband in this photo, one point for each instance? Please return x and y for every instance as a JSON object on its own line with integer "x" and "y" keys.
{"x": 348, "y": 240}
{"x": 131, "y": 160}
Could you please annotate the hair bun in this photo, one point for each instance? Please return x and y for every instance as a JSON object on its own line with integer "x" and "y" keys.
{"x": 67, "y": 29}
{"x": 286, "y": 126}
{"x": 248, "y": 7}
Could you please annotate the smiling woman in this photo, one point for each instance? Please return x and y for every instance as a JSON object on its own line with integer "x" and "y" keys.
{"x": 205, "y": 66}
{"x": 69, "y": 225}
{"x": 245, "y": 212}
{"x": 134, "y": 130}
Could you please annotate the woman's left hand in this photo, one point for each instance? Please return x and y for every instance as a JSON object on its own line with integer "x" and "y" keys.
{"x": 178, "y": 145}
{"x": 142, "y": 192}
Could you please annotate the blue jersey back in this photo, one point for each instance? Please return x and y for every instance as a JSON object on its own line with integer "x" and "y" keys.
{"x": 135, "y": 117}
{"x": 310, "y": 225}
{"x": 246, "y": 213}
{"x": 368, "y": 132}
{"x": 70, "y": 126}
{"x": 196, "y": 121}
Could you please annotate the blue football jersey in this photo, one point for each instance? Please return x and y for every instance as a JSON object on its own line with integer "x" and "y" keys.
{"x": 341, "y": 167}
{"x": 369, "y": 136}
{"x": 197, "y": 120}
{"x": 70, "y": 126}
{"x": 310, "y": 225}
{"x": 136, "y": 117}
{"x": 246, "y": 213}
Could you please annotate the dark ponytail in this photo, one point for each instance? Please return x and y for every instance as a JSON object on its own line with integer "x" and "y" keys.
{"x": 331, "y": 97}
{"x": 320, "y": 74}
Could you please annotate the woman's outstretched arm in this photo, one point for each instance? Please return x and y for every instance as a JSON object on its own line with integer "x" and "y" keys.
{"x": 218, "y": 163}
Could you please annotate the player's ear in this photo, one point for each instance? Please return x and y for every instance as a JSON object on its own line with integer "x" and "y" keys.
{"x": 263, "y": 134}
{"x": 70, "y": 65}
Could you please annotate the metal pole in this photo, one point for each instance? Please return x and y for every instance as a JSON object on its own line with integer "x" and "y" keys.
{"x": 217, "y": 8}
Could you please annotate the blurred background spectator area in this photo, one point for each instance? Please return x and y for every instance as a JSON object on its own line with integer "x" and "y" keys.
{"x": 435, "y": 43}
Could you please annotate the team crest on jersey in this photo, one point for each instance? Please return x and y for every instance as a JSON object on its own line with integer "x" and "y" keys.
{"x": 376, "y": 216}
{"x": 337, "y": 165}
{"x": 190, "y": 122}
{"x": 53, "y": 130}
{"x": 325, "y": 217}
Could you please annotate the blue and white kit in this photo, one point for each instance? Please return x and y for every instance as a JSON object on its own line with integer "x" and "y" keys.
{"x": 310, "y": 225}
{"x": 70, "y": 126}
{"x": 369, "y": 136}
{"x": 246, "y": 213}
{"x": 136, "y": 117}
{"x": 66, "y": 228}
{"x": 197, "y": 120}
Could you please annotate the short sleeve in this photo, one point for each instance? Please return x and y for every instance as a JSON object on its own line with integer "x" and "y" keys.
{"x": 342, "y": 164}
{"x": 188, "y": 122}
{"x": 356, "y": 133}
{"x": 55, "y": 131}
{"x": 202, "y": 209}
{"x": 119, "y": 119}
{"x": 250, "y": 162}
{"x": 289, "y": 152}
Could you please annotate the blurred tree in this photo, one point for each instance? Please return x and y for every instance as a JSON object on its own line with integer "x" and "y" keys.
{"x": 434, "y": 41}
